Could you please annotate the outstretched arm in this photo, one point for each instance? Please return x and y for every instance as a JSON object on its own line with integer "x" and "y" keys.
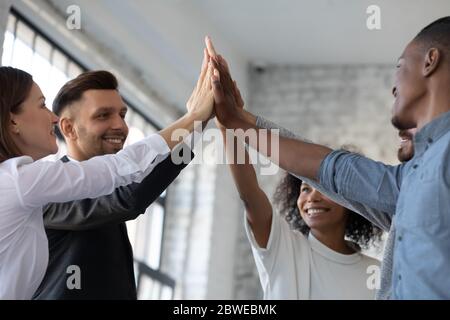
{"x": 124, "y": 204}
{"x": 257, "y": 205}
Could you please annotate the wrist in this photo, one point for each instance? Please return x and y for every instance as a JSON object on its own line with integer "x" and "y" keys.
{"x": 242, "y": 119}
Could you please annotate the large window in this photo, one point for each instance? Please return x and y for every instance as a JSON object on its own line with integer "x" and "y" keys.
{"x": 27, "y": 48}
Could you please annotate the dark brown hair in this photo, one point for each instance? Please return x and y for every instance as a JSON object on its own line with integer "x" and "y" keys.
{"x": 15, "y": 86}
{"x": 73, "y": 90}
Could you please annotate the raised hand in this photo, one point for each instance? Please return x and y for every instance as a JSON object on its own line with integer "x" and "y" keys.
{"x": 227, "y": 100}
{"x": 201, "y": 101}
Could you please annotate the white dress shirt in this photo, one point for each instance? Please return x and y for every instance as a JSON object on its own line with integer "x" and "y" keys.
{"x": 27, "y": 185}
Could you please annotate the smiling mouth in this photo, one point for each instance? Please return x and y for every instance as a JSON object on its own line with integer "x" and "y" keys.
{"x": 115, "y": 141}
{"x": 314, "y": 212}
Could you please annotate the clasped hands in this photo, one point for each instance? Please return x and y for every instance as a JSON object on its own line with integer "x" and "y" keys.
{"x": 215, "y": 94}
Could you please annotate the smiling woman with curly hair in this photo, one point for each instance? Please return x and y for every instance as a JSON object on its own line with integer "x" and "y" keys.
{"x": 310, "y": 248}
{"x": 287, "y": 198}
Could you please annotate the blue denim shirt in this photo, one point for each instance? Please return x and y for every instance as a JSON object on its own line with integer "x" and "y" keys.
{"x": 422, "y": 248}
{"x": 421, "y": 259}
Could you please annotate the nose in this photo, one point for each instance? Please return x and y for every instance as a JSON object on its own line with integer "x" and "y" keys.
{"x": 119, "y": 123}
{"x": 314, "y": 196}
{"x": 54, "y": 117}
{"x": 394, "y": 91}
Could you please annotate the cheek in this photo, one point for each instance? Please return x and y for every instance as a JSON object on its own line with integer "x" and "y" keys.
{"x": 338, "y": 211}
{"x": 300, "y": 203}
{"x": 340, "y": 214}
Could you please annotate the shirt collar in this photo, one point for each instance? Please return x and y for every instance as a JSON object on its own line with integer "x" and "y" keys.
{"x": 431, "y": 132}
{"x": 71, "y": 159}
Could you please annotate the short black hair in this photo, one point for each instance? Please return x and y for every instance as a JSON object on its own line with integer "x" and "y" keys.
{"x": 73, "y": 90}
{"x": 436, "y": 34}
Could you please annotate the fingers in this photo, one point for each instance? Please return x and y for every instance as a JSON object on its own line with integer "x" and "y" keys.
{"x": 204, "y": 69}
{"x": 210, "y": 47}
{"x": 207, "y": 81}
{"x": 217, "y": 88}
{"x": 223, "y": 62}
{"x": 238, "y": 96}
{"x": 226, "y": 80}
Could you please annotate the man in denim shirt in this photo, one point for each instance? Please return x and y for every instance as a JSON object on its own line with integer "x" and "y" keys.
{"x": 415, "y": 195}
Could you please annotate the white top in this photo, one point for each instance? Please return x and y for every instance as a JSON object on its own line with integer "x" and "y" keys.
{"x": 293, "y": 266}
{"x": 26, "y": 186}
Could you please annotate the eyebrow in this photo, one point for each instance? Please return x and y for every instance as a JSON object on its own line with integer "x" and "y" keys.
{"x": 109, "y": 109}
{"x": 305, "y": 184}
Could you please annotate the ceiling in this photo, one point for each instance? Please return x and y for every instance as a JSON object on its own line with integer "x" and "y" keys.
{"x": 162, "y": 40}
{"x": 320, "y": 31}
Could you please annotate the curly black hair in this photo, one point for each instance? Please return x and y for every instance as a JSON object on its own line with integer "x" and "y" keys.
{"x": 358, "y": 229}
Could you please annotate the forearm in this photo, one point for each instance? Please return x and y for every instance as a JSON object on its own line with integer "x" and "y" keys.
{"x": 296, "y": 156}
{"x": 88, "y": 214}
{"x": 159, "y": 180}
{"x": 180, "y": 129}
{"x": 242, "y": 170}
{"x": 257, "y": 205}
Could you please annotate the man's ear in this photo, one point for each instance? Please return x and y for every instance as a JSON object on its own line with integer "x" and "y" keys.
{"x": 432, "y": 60}
{"x": 67, "y": 128}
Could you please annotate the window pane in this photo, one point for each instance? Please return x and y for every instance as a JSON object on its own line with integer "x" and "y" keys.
{"x": 74, "y": 70}
{"x": 11, "y": 23}
{"x": 155, "y": 236}
{"x": 25, "y": 34}
{"x": 43, "y": 48}
{"x": 8, "y": 45}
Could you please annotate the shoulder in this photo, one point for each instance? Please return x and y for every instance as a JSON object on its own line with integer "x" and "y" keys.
{"x": 9, "y": 168}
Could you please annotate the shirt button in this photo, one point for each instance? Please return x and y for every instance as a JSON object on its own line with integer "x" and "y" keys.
{"x": 400, "y": 238}
{"x": 415, "y": 166}
{"x": 430, "y": 140}
{"x": 399, "y": 277}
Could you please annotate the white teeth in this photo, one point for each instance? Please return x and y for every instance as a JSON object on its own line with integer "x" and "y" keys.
{"x": 114, "y": 140}
{"x": 314, "y": 211}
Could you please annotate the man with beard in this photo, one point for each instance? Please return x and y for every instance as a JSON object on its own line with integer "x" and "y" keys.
{"x": 91, "y": 234}
{"x": 413, "y": 195}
